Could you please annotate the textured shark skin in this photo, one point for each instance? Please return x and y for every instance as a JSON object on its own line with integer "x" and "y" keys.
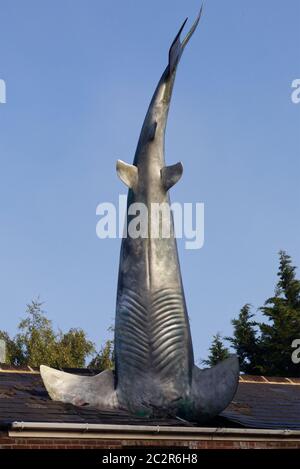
{"x": 155, "y": 371}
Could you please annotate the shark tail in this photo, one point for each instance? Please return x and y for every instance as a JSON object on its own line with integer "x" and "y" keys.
{"x": 177, "y": 46}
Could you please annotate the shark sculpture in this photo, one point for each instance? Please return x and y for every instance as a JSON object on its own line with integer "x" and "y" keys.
{"x": 155, "y": 371}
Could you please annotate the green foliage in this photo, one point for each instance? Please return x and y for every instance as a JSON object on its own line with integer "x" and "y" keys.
{"x": 74, "y": 348}
{"x": 38, "y": 343}
{"x": 266, "y": 347}
{"x": 104, "y": 360}
{"x": 11, "y": 348}
{"x": 217, "y": 351}
{"x": 283, "y": 314}
{"x": 244, "y": 340}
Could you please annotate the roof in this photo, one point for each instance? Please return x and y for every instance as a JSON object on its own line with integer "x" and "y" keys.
{"x": 23, "y": 397}
{"x": 263, "y": 403}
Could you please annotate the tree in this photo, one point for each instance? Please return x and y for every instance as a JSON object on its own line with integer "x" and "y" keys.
{"x": 11, "y": 349}
{"x": 217, "y": 351}
{"x": 73, "y": 348}
{"x": 266, "y": 347}
{"x": 104, "y": 360}
{"x": 283, "y": 314}
{"x": 245, "y": 341}
{"x": 37, "y": 343}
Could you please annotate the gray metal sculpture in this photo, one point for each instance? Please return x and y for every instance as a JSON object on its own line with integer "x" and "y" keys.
{"x": 155, "y": 371}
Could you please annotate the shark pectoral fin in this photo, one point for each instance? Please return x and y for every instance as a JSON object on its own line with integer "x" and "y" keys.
{"x": 212, "y": 390}
{"x": 97, "y": 391}
{"x": 128, "y": 173}
{"x": 171, "y": 174}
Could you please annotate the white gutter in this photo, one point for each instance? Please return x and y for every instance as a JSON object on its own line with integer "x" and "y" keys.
{"x": 107, "y": 431}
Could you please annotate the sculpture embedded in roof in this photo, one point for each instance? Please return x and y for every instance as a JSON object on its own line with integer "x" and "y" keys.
{"x": 155, "y": 371}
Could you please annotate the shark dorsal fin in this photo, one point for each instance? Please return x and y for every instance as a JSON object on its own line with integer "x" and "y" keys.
{"x": 171, "y": 174}
{"x": 128, "y": 174}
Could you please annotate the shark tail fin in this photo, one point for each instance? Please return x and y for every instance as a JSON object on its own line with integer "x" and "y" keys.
{"x": 177, "y": 46}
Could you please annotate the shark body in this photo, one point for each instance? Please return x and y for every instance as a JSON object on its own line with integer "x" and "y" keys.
{"x": 154, "y": 354}
{"x": 155, "y": 370}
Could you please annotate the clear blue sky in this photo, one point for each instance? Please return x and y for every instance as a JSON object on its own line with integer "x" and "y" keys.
{"x": 79, "y": 77}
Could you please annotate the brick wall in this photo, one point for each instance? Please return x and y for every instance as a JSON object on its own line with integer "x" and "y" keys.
{"x": 7, "y": 442}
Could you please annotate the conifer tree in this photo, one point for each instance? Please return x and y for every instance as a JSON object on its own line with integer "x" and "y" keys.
{"x": 217, "y": 351}
{"x": 245, "y": 342}
{"x": 283, "y": 327}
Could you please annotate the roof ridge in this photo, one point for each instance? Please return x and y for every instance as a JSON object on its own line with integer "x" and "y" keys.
{"x": 270, "y": 380}
{"x": 247, "y": 379}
